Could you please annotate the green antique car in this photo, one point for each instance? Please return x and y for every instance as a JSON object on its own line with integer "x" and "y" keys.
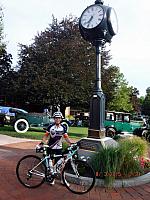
{"x": 24, "y": 120}
{"x": 120, "y": 122}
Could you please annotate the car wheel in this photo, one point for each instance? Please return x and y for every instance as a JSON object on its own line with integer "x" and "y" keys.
{"x": 110, "y": 132}
{"x": 148, "y": 137}
{"x": 144, "y": 133}
{"x": 21, "y": 126}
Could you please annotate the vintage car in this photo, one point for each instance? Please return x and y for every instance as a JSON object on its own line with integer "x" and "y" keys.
{"x": 21, "y": 120}
{"x": 2, "y": 119}
{"x": 120, "y": 122}
{"x": 116, "y": 122}
{"x": 24, "y": 120}
{"x": 9, "y": 117}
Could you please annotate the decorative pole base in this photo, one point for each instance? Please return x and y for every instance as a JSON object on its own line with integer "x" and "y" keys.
{"x": 97, "y": 134}
{"x": 97, "y": 116}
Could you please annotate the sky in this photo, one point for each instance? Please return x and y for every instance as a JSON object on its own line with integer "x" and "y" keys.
{"x": 130, "y": 48}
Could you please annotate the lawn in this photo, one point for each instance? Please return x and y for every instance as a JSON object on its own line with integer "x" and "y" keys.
{"x": 37, "y": 133}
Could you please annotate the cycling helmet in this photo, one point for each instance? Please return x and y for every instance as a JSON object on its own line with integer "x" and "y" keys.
{"x": 57, "y": 114}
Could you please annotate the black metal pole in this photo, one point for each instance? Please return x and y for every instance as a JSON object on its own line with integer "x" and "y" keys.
{"x": 98, "y": 69}
{"x": 97, "y": 103}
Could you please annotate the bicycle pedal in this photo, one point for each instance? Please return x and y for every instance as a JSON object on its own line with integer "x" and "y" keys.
{"x": 49, "y": 179}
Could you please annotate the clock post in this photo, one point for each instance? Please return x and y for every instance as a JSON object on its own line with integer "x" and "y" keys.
{"x": 98, "y": 24}
{"x": 97, "y": 102}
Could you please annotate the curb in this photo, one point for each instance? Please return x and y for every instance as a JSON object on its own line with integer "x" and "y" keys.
{"x": 130, "y": 182}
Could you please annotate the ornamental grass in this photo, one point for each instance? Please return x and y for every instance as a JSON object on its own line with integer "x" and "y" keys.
{"x": 124, "y": 161}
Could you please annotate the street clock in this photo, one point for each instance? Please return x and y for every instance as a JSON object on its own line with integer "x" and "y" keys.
{"x": 98, "y": 22}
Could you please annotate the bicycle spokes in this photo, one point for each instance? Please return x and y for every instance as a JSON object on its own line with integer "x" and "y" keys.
{"x": 78, "y": 177}
{"x": 29, "y": 172}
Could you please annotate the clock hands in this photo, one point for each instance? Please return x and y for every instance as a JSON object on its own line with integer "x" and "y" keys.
{"x": 90, "y": 19}
{"x": 88, "y": 22}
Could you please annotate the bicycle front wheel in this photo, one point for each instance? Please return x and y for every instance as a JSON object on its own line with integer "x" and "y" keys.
{"x": 30, "y": 172}
{"x": 78, "y": 176}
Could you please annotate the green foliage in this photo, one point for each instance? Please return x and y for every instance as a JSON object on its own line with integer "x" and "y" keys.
{"x": 123, "y": 161}
{"x": 137, "y": 146}
{"x": 121, "y": 100}
{"x": 141, "y": 99}
{"x": 108, "y": 163}
{"x": 146, "y": 103}
{"x": 133, "y": 149}
{"x": 5, "y": 63}
{"x": 136, "y": 104}
{"x": 59, "y": 68}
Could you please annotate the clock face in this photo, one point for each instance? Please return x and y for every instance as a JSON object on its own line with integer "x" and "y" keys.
{"x": 92, "y": 16}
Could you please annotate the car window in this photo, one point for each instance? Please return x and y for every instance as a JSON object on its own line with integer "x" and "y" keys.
{"x": 126, "y": 118}
{"x": 21, "y": 110}
{"x": 110, "y": 116}
{"x": 4, "y": 109}
{"x": 119, "y": 117}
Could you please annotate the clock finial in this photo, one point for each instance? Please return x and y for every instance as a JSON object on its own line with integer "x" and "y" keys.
{"x": 99, "y": 2}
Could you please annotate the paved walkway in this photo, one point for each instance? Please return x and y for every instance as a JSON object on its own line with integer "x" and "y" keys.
{"x": 11, "y": 189}
{"x": 5, "y": 139}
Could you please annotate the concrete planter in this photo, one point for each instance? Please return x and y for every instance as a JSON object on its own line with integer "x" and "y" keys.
{"x": 129, "y": 182}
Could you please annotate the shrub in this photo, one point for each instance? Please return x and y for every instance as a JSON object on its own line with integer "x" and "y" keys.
{"x": 107, "y": 163}
{"x": 122, "y": 161}
{"x": 133, "y": 149}
{"x": 134, "y": 145}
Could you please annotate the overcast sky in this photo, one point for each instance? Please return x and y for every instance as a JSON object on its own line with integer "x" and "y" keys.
{"x": 130, "y": 48}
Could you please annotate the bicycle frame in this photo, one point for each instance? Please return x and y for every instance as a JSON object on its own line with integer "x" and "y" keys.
{"x": 54, "y": 168}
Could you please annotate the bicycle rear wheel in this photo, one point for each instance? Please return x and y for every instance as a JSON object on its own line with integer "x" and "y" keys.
{"x": 29, "y": 172}
{"x": 78, "y": 176}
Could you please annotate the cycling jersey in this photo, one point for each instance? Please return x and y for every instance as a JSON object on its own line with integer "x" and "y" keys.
{"x": 56, "y": 135}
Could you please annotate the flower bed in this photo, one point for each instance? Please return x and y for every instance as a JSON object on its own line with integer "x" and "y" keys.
{"x": 145, "y": 164}
{"x": 126, "y": 161}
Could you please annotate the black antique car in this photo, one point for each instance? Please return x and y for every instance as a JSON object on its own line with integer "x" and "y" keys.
{"x": 2, "y": 119}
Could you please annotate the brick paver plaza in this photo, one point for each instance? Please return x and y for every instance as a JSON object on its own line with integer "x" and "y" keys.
{"x": 11, "y": 189}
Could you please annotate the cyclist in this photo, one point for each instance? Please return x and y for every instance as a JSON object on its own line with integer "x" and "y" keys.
{"x": 54, "y": 136}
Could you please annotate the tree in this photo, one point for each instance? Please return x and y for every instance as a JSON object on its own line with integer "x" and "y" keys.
{"x": 1, "y": 29}
{"x": 135, "y": 100}
{"x": 146, "y": 103}
{"x": 121, "y": 99}
{"x": 141, "y": 100}
{"x": 6, "y": 71}
{"x": 59, "y": 67}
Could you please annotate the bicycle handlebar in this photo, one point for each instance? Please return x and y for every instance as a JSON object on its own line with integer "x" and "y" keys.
{"x": 41, "y": 148}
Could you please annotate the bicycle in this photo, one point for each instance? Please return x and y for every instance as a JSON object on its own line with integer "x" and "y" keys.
{"x": 77, "y": 175}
